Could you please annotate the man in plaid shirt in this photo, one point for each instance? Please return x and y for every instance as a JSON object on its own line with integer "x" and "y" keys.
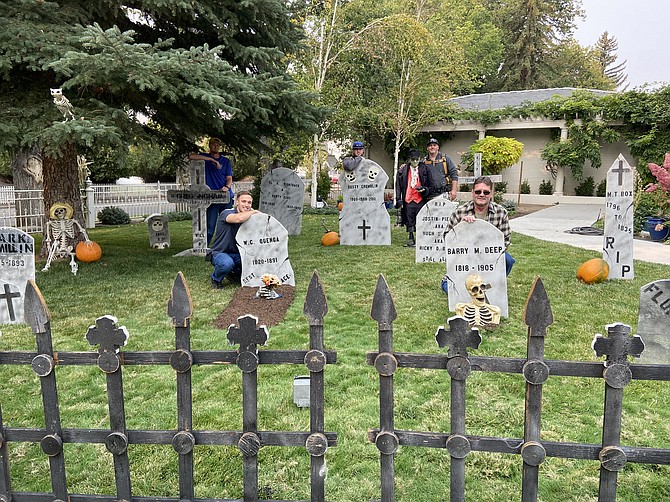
{"x": 482, "y": 207}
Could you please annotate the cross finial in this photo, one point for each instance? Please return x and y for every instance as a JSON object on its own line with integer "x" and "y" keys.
{"x": 458, "y": 337}
{"x": 107, "y": 335}
{"x": 248, "y": 336}
{"x": 618, "y": 345}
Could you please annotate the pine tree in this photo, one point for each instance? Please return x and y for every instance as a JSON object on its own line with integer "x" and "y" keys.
{"x": 168, "y": 71}
{"x": 606, "y": 55}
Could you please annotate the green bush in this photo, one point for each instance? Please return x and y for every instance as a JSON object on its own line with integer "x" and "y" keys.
{"x": 525, "y": 187}
{"x": 601, "y": 189}
{"x": 464, "y": 187}
{"x": 546, "y": 188}
{"x": 179, "y": 215}
{"x": 646, "y": 207}
{"x": 586, "y": 187}
{"x": 112, "y": 215}
{"x": 323, "y": 185}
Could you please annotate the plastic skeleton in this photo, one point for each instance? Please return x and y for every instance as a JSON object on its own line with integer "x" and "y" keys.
{"x": 63, "y": 104}
{"x": 61, "y": 231}
{"x": 478, "y": 312}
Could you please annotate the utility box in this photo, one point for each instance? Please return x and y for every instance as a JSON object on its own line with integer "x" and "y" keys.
{"x": 301, "y": 391}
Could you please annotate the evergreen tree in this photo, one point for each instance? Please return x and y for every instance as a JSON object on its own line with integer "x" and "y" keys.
{"x": 605, "y": 51}
{"x": 167, "y": 71}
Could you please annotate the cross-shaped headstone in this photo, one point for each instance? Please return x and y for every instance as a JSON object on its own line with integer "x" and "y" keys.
{"x": 617, "y": 346}
{"x": 8, "y": 295}
{"x": 364, "y": 228}
{"x": 620, "y": 170}
{"x": 248, "y": 336}
{"x": 107, "y": 335}
{"x": 458, "y": 337}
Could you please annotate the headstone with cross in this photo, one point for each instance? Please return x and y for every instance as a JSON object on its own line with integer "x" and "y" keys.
{"x": 653, "y": 322}
{"x": 263, "y": 245}
{"x": 618, "y": 231}
{"x": 282, "y": 196}
{"x": 198, "y": 197}
{"x": 110, "y": 338}
{"x": 364, "y": 220}
{"x": 17, "y": 267}
{"x": 430, "y": 223}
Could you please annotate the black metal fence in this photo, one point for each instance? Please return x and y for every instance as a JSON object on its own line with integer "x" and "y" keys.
{"x": 616, "y": 371}
{"x": 109, "y": 338}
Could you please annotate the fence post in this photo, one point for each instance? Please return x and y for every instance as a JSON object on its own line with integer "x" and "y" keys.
{"x": 90, "y": 204}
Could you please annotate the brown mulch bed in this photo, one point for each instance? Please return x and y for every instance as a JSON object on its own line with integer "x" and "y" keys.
{"x": 268, "y": 312}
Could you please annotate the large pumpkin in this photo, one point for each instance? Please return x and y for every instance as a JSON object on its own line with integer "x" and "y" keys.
{"x": 593, "y": 271}
{"x": 88, "y": 251}
{"x": 330, "y": 238}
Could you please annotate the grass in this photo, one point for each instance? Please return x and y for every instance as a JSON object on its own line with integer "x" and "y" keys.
{"x": 133, "y": 282}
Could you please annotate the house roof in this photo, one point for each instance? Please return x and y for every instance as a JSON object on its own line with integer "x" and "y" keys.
{"x": 498, "y": 100}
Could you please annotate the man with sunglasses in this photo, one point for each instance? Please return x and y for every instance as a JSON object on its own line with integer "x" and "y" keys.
{"x": 482, "y": 207}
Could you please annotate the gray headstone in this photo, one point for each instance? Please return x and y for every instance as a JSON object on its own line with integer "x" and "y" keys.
{"x": 17, "y": 267}
{"x": 159, "y": 231}
{"x": 430, "y": 223}
{"x": 653, "y": 322}
{"x": 476, "y": 248}
{"x": 263, "y": 245}
{"x": 618, "y": 232}
{"x": 282, "y": 196}
{"x": 364, "y": 219}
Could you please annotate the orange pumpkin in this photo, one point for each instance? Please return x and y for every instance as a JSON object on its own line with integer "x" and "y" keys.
{"x": 330, "y": 238}
{"x": 593, "y": 271}
{"x": 339, "y": 206}
{"x": 88, "y": 251}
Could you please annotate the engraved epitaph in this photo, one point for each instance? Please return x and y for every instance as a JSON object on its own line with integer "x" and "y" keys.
{"x": 618, "y": 232}
{"x": 476, "y": 248}
{"x": 653, "y": 322}
{"x": 263, "y": 245}
{"x": 364, "y": 220}
{"x": 282, "y": 196}
{"x": 17, "y": 267}
{"x": 430, "y": 223}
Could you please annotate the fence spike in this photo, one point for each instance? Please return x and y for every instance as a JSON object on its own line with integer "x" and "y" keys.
{"x": 316, "y": 305}
{"x": 537, "y": 313}
{"x": 35, "y": 311}
{"x": 383, "y": 308}
{"x": 180, "y": 305}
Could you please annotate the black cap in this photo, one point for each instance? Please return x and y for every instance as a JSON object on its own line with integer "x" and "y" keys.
{"x": 414, "y": 154}
{"x": 433, "y": 141}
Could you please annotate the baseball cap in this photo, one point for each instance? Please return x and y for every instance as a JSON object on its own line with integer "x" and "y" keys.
{"x": 357, "y": 144}
{"x": 215, "y": 140}
{"x": 432, "y": 141}
{"x": 414, "y": 154}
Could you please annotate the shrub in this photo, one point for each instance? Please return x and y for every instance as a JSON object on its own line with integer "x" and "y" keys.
{"x": 179, "y": 215}
{"x": 586, "y": 187}
{"x": 464, "y": 187}
{"x": 525, "y": 187}
{"x": 546, "y": 188}
{"x": 601, "y": 189}
{"x": 112, "y": 215}
{"x": 323, "y": 185}
{"x": 500, "y": 187}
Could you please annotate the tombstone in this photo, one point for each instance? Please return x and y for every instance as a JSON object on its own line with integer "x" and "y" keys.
{"x": 430, "y": 223}
{"x": 618, "y": 232}
{"x": 364, "y": 220}
{"x": 17, "y": 267}
{"x": 653, "y": 322}
{"x": 476, "y": 248}
{"x": 199, "y": 197}
{"x": 282, "y": 196}
{"x": 263, "y": 245}
{"x": 159, "y": 231}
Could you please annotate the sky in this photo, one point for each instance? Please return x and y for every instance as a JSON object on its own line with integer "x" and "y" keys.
{"x": 641, "y": 29}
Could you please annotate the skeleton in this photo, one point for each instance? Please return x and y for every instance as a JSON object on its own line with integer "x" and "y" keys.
{"x": 478, "y": 312}
{"x": 63, "y": 104}
{"x": 84, "y": 171}
{"x": 61, "y": 231}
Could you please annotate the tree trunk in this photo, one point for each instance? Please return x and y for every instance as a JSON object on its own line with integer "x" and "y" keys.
{"x": 61, "y": 184}
{"x": 27, "y": 176}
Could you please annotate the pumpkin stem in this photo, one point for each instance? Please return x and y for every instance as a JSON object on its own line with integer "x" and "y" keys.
{"x": 323, "y": 223}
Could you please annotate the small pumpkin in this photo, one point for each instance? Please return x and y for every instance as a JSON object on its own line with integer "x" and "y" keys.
{"x": 593, "y": 271}
{"x": 330, "y": 238}
{"x": 88, "y": 251}
{"x": 339, "y": 206}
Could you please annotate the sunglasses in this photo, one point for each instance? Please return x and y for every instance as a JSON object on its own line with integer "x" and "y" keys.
{"x": 485, "y": 192}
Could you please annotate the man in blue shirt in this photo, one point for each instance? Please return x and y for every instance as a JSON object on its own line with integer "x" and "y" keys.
{"x": 218, "y": 176}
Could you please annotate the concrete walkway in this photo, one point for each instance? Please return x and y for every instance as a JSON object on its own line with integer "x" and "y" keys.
{"x": 551, "y": 224}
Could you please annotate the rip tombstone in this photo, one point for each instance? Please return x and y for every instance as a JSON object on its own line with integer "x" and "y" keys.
{"x": 653, "y": 324}
{"x": 17, "y": 267}
{"x": 618, "y": 231}
{"x": 430, "y": 223}
{"x": 282, "y": 196}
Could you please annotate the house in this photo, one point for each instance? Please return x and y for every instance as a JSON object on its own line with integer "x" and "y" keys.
{"x": 456, "y": 137}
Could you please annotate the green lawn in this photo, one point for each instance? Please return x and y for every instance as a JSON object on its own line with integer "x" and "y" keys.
{"x": 133, "y": 282}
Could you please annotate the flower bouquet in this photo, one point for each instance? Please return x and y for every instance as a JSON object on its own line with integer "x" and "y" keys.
{"x": 267, "y": 290}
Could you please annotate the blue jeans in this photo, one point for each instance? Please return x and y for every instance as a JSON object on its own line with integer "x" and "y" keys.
{"x": 224, "y": 264}
{"x": 213, "y": 211}
{"x": 509, "y": 263}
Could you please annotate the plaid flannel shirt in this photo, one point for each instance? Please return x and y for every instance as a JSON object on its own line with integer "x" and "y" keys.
{"x": 497, "y": 216}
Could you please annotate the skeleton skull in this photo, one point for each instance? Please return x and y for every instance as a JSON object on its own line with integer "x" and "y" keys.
{"x": 477, "y": 289}
{"x": 60, "y": 213}
{"x": 157, "y": 225}
{"x": 351, "y": 176}
{"x": 373, "y": 173}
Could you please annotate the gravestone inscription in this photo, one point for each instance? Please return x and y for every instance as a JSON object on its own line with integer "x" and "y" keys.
{"x": 198, "y": 197}
{"x": 17, "y": 267}
{"x": 653, "y": 322}
{"x": 364, "y": 220}
{"x": 159, "y": 231}
{"x": 430, "y": 223}
{"x": 618, "y": 231}
{"x": 476, "y": 248}
{"x": 282, "y": 196}
{"x": 263, "y": 245}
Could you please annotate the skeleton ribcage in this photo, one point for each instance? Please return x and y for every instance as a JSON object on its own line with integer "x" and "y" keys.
{"x": 478, "y": 316}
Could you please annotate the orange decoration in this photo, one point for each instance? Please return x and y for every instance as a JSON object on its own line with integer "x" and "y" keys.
{"x": 88, "y": 251}
{"x": 593, "y": 271}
